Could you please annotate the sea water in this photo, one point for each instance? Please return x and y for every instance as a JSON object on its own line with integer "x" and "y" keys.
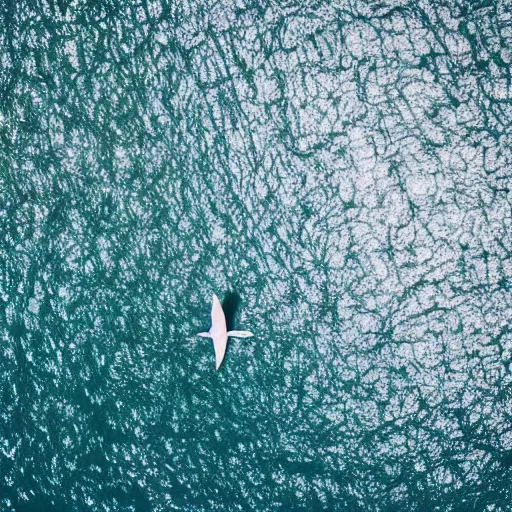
{"x": 338, "y": 173}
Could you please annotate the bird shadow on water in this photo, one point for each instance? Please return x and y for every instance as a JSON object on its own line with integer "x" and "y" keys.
{"x": 230, "y": 305}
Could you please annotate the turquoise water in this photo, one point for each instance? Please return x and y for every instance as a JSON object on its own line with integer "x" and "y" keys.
{"x": 338, "y": 173}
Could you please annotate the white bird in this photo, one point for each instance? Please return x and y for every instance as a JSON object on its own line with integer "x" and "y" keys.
{"x": 219, "y": 333}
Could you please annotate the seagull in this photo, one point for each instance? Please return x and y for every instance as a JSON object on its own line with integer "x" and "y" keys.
{"x": 219, "y": 333}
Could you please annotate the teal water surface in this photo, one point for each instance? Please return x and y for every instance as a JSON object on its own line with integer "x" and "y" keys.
{"x": 338, "y": 173}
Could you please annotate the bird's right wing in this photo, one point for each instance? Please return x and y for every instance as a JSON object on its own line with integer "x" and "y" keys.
{"x": 240, "y": 334}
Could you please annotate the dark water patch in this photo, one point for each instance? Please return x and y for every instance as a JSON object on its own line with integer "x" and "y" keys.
{"x": 230, "y": 305}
